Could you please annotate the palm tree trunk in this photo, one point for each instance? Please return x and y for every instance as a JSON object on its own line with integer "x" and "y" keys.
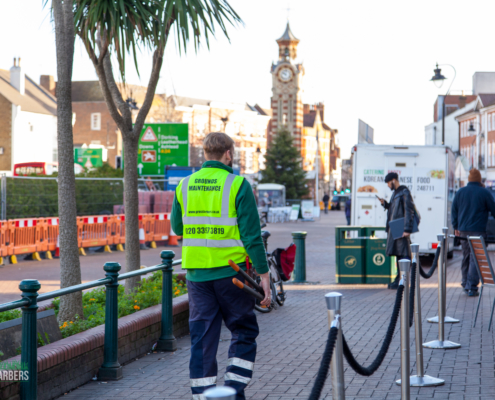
{"x": 70, "y": 268}
{"x": 132, "y": 251}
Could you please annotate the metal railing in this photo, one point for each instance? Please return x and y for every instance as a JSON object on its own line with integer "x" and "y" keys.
{"x": 110, "y": 369}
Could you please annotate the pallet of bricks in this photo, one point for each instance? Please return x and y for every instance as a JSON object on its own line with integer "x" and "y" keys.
{"x": 38, "y": 238}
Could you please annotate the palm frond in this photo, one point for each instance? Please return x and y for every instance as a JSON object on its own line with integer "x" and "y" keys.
{"x": 131, "y": 25}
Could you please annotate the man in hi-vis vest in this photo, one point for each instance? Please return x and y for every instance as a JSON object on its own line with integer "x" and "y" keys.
{"x": 215, "y": 212}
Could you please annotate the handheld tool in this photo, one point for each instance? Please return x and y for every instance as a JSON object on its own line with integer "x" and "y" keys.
{"x": 248, "y": 279}
{"x": 247, "y": 289}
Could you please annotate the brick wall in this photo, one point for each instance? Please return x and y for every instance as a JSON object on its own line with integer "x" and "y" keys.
{"x": 5, "y": 134}
{"x": 106, "y": 136}
{"x": 73, "y": 361}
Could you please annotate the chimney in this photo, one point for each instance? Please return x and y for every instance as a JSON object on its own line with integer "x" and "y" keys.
{"x": 47, "y": 82}
{"x": 321, "y": 107}
{"x": 305, "y": 108}
{"x": 17, "y": 78}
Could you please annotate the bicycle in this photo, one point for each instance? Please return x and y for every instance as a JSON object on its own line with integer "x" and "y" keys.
{"x": 276, "y": 286}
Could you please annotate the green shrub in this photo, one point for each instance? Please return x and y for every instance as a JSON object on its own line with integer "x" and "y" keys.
{"x": 8, "y": 315}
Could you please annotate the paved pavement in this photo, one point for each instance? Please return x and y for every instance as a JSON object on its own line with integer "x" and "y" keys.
{"x": 293, "y": 337}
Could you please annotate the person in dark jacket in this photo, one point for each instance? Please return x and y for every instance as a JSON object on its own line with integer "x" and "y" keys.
{"x": 469, "y": 218}
{"x": 348, "y": 210}
{"x": 326, "y": 199}
{"x": 401, "y": 206}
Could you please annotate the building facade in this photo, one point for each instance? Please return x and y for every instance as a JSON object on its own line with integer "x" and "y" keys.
{"x": 28, "y": 120}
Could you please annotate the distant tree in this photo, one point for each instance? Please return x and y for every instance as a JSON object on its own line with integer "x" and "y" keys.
{"x": 283, "y": 165}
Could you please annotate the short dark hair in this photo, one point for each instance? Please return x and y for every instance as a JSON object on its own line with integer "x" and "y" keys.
{"x": 216, "y": 144}
{"x": 391, "y": 176}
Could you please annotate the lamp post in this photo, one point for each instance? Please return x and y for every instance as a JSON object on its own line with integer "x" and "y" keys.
{"x": 438, "y": 80}
{"x": 258, "y": 152}
{"x": 481, "y": 135}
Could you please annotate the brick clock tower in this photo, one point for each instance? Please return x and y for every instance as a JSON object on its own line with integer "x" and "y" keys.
{"x": 287, "y": 107}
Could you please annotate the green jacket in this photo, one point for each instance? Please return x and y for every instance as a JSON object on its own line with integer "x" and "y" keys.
{"x": 249, "y": 227}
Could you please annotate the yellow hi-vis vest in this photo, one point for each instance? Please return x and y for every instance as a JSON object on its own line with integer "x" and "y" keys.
{"x": 211, "y": 235}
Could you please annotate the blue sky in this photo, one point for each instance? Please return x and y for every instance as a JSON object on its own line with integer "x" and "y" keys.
{"x": 364, "y": 59}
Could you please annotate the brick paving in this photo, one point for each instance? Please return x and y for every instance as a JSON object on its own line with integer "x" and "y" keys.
{"x": 293, "y": 337}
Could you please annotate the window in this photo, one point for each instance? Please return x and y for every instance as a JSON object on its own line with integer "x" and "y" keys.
{"x": 290, "y": 111}
{"x": 280, "y": 111}
{"x": 95, "y": 121}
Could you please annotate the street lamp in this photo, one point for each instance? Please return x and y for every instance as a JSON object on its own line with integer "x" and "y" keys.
{"x": 438, "y": 80}
{"x": 481, "y": 165}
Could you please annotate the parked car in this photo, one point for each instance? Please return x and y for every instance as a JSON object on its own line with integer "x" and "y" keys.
{"x": 338, "y": 201}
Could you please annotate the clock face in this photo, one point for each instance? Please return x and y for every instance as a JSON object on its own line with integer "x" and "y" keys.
{"x": 285, "y": 74}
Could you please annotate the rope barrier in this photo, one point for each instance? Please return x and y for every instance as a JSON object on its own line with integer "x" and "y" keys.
{"x": 368, "y": 371}
{"x": 324, "y": 365}
{"x": 427, "y": 275}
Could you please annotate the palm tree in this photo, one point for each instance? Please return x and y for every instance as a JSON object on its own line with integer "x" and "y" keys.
{"x": 120, "y": 27}
{"x": 70, "y": 267}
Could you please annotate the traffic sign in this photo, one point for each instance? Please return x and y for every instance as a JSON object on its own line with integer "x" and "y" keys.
{"x": 161, "y": 145}
{"x": 88, "y": 158}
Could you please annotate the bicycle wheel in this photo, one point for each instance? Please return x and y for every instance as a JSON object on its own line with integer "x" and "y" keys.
{"x": 281, "y": 294}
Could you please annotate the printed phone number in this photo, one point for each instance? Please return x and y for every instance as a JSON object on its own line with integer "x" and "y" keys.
{"x": 214, "y": 231}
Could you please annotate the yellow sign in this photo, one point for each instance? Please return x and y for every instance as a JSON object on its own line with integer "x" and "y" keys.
{"x": 379, "y": 259}
{"x": 350, "y": 261}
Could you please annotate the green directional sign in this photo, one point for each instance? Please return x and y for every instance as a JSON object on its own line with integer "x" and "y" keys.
{"x": 162, "y": 144}
{"x": 88, "y": 158}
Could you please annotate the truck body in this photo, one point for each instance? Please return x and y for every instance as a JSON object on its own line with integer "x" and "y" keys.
{"x": 428, "y": 172}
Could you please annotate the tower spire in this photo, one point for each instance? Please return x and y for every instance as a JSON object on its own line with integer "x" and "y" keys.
{"x": 287, "y": 41}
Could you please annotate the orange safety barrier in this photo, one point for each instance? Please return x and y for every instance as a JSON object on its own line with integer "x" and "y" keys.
{"x": 33, "y": 235}
{"x": 26, "y": 235}
{"x": 92, "y": 231}
{"x": 161, "y": 227}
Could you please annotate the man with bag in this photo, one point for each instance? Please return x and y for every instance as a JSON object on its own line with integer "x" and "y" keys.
{"x": 215, "y": 212}
{"x": 401, "y": 206}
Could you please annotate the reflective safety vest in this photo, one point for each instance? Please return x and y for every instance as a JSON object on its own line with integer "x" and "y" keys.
{"x": 211, "y": 235}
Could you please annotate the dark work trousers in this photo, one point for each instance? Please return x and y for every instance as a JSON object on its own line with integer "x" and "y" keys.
{"x": 470, "y": 277}
{"x": 210, "y": 303}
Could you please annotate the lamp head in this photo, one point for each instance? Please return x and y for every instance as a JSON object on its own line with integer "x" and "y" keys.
{"x": 438, "y": 78}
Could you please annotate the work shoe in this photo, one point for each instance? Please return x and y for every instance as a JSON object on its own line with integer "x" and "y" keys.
{"x": 473, "y": 293}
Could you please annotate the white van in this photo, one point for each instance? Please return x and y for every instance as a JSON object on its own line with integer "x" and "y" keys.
{"x": 428, "y": 172}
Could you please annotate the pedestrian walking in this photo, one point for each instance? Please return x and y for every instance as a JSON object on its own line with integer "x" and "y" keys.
{"x": 215, "y": 212}
{"x": 470, "y": 209}
{"x": 401, "y": 206}
{"x": 265, "y": 203}
{"x": 326, "y": 199}
{"x": 348, "y": 210}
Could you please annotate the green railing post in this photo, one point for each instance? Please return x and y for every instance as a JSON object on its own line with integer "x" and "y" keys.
{"x": 29, "y": 347}
{"x": 167, "y": 341}
{"x": 111, "y": 369}
{"x": 300, "y": 267}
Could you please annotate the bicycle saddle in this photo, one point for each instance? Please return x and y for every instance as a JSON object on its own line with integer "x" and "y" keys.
{"x": 265, "y": 234}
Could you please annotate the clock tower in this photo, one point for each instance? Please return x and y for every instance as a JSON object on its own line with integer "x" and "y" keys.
{"x": 287, "y": 107}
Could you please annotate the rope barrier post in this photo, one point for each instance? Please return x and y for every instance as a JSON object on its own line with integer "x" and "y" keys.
{"x": 405, "y": 362}
{"x": 220, "y": 392}
{"x": 420, "y": 379}
{"x": 334, "y": 302}
{"x": 442, "y": 269}
{"x": 441, "y": 343}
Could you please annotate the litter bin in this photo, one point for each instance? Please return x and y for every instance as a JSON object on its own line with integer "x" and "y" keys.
{"x": 379, "y": 267}
{"x": 350, "y": 254}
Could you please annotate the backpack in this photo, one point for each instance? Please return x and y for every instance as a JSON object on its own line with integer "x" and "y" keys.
{"x": 285, "y": 261}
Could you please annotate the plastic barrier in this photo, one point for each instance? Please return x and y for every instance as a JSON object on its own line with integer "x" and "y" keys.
{"x": 35, "y": 235}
